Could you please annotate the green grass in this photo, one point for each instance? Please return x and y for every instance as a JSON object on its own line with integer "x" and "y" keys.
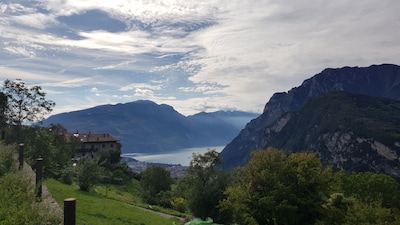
{"x": 128, "y": 193}
{"x": 94, "y": 208}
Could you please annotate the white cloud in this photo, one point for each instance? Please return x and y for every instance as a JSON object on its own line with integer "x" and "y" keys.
{"x": 36, "y": 20}
{"x": 204, "y": 55}
{"x": 144, "y": 93}
{"x": 20, "y": 51}
{"x": 141, "y": 86}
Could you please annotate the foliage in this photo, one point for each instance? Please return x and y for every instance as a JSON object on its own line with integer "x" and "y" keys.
{"x": 341, "y": 210}
{"x": 94, "y": 208}
{"x": 154, "y": 181}
{"x": 372, "y": 187}
{"x": 116, "y": 172}
{"x": 205, "y": 185}
{"x": 275, "y": 188}
{"x": 52, "y": 146}
{"x": 18, "y": 202}
{"x": 88, "y": 172}
{"x": 8, "y": 159}
{"x": 178, "y": 204}
{"x": 25, "y": 103}
{"x": 67, "y": 175}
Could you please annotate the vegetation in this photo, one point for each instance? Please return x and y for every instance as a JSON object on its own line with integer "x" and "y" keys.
{"x": 25, "y": 104}
{"x": 272, "y": 188}
{"x": 275, "y": 189}
{"x": 155, "y": 181}
{"x": 205, "y": 186}
{"x": 94, "y": 208}
{"x": 17, "y": 197}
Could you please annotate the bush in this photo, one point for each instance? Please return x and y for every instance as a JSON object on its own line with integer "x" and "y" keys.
{"x": 8, "y": 160}
{"x": 67, "y": 175}
{"x": 179, "y": 204}
{"x": 18, "y": 202}
{"x": 88, "y": 173}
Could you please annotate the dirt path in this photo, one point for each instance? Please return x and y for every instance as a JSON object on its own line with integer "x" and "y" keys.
{"x": 162, "y": 214}
{"x": 47, "y": 201}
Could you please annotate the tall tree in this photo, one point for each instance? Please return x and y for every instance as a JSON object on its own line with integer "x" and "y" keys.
{"x": 154, "y": 181}
{"x": 206, "y": 185}
{"x": 277, "y": 189}
{"x": 24, "y": 103}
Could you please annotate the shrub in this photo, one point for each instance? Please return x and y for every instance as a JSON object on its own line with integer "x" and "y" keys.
{"x": 8, "y": 160}
{"x": 18, "y": 202}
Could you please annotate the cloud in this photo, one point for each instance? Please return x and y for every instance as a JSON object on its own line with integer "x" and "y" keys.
{"x": 20, "y": 51}
{"x": 141, "y": 86}
{"x": 144, "y": 93}
{"x": 194, "y": 55}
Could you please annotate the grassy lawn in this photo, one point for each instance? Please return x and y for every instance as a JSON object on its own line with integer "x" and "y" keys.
{"x": 95, "y": 208}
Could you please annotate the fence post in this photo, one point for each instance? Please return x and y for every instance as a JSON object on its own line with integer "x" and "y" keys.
{"x": 21, "y": 156}
{"x": 69, "y": 211}
{"x": 39, "y": 177}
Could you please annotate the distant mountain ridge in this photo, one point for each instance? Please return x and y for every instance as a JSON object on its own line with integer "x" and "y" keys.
{"x": 377, "y": 81}
{"x": 146, "y": 127}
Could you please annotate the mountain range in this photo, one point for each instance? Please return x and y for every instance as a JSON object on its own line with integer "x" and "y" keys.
{"x": 146, "y": 127}
{"x": 348, "y": 116}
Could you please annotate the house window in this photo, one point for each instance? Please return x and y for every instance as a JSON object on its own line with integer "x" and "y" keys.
{"x": 104, "y": 145}
{"x": 112, "y": 145}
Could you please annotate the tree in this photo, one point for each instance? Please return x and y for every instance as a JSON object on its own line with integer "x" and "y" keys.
{"x": 277, "y": 189}
{"x": 52, "y": 145}
{"x": 206, "y": 185}
{"x": 370, "y": 187}
{"x": 89, "y": 173}
{"x": 25, "y": 104}
{"x": 154, "y": 181}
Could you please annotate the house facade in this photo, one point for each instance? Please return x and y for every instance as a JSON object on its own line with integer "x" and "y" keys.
{"x": 92, "y": 144}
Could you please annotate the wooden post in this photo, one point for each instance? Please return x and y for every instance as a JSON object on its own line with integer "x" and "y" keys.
{"x": 21, "y": 156}
{"x": 69, "y": 211}
{"x": 39, "y": 177}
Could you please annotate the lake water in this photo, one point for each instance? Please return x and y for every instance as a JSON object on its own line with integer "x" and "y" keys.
{"x": 182, "y": 156}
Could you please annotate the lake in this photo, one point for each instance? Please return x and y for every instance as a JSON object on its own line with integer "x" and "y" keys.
{"x": 181, "y": 156}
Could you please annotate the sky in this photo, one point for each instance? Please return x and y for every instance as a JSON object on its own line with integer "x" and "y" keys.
{"x": 206, "y": 55}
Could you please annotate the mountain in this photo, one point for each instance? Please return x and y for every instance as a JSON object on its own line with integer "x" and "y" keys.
{"x": 377, "y": 80}
{"x": 348, "y": 131}
{"x": 145, "y": 127}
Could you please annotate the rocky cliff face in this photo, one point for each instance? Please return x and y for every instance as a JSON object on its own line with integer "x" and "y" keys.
{"x": 349, "y": 152}
{"x": 377, "y": 80}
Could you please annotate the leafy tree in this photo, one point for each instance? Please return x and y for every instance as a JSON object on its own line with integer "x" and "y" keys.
{"x": 341, "y": 210}
{"x": 277, "y": 189}
{"x": 372, "y": 187}
{"x": 52, "y": 146}
{"x": 206, "y": 185}
{"x": 89, "y": 173}
{"x": 25, "y": 103}
{"x": 154, "y": 181}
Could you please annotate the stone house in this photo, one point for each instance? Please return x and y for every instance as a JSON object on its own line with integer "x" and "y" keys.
{"x": 92, "y": 144}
